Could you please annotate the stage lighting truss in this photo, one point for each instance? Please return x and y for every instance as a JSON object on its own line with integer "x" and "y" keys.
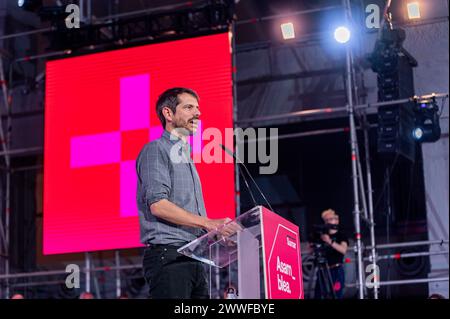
{"x": 191, "y": 21}
{"x": 427, "y": 127}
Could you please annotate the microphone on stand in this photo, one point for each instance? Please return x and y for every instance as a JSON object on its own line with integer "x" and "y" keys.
{"x": 238, "y": 160}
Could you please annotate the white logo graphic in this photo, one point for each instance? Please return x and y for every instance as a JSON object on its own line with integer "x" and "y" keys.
{"x": 73, "y": 279}
{"x": 73, "y": 19}
{"x": 373, "y": 19}
{"x": 374, "y": 275}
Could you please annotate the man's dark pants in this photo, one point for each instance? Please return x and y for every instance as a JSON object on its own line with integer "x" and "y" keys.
{"x": 170, "y": 275}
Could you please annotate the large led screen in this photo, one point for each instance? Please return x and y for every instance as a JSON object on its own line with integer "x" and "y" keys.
{"x": 100, "y": 112}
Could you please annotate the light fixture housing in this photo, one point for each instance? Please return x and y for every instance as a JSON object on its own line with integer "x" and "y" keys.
{"x": 427, "y": 127}
{"x": 288, "y": 30}
{"x": 413, "y": 10}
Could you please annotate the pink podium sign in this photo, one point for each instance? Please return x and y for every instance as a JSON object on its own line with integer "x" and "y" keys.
{"x": 282, "y": 257}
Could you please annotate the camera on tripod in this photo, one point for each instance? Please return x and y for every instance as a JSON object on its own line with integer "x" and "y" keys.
{"x": 324, "y": 279}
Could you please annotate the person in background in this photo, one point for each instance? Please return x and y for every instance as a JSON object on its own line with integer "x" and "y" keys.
{"x": 336, "y": 244}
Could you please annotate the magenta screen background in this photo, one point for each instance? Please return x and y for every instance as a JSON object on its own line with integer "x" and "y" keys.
{"x": 99, "y": 112}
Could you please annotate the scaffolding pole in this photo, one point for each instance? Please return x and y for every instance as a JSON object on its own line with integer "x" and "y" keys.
{"x": 6, "y": 101}
{"x": 7, "y": 230}
{"x": 440, "y": 242}
{"x": 4, "y": 141}
{"x": 87, "y": 260}
{"x": 22, "y": 151}
{"x": 118, "y": 285}
{"x": 235, "y": 115}
{"x": 354, "y": 158}
{"x": 64, "y": 272}
{"x": 410, "y": 255}
{"x": 286, "y": 15}
{"x": 406, "y": 281}
{"x": 361, "y": 184}
{"x": 412, "y": 281}
{"x": 373, "y": 252}
{"x": 340, "y": 109}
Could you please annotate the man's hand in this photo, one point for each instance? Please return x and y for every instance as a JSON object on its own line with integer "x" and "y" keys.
{"x": 326, "y": 239}
{"x": 213, "y": 224}
{"x": 223, "y": 226}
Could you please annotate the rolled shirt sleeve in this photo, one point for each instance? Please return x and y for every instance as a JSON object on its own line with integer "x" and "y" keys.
{"x": 153, "y": 173}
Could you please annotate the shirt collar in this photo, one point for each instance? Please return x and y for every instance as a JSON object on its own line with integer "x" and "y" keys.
{"x": 173, "y": 139}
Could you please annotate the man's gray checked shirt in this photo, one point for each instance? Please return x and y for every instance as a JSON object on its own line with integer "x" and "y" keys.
{"x": 160, "y": 177}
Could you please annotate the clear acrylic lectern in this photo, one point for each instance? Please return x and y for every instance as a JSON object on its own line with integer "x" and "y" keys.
{"x": 235, "y": 260}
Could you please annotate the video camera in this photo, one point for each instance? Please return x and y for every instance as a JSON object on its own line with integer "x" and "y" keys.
{"x": 319, "y": 230}
{"x": 324, "y": 228}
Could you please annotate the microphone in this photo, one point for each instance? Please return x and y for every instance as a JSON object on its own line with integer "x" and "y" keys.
{"x": 229, "y": 152}
{"x": 238, "y": 160}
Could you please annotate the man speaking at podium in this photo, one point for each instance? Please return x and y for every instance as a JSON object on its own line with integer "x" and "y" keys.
{"x": 170, "y": 201}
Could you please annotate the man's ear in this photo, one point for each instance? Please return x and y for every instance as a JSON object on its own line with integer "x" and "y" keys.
{"x": 167, "y": 113}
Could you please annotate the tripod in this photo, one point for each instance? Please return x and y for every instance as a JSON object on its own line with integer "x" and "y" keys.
{"x": 324, "y": 279}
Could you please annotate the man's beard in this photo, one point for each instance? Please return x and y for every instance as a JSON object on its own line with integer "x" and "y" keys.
{"x": 183, "y": 127}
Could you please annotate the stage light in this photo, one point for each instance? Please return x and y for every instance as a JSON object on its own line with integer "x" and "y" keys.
{"x": 427, "y": 133}
{"x": 287, "y": 29}
{"x": 427, "y": 126}
{"x": 413, "y": 10}
{"x": 29, "y": 5}
{"x": 342, "y": 34}
{"x": 417, "y": 133}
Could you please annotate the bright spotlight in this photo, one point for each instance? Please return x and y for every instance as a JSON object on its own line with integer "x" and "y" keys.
{"x": 29, "y": 5}
{"x": 417, "y": 133}
{"x": 287, "y": 29}
{"x": 413, "y": 10}
{"x": 427, "y": 126}
{"x": 342, "y": 34}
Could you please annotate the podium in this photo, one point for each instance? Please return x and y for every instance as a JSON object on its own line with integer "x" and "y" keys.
{"x": 261, "y": 259}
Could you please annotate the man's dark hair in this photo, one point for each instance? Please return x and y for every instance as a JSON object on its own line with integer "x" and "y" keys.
{"x": 169, "y": 98}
